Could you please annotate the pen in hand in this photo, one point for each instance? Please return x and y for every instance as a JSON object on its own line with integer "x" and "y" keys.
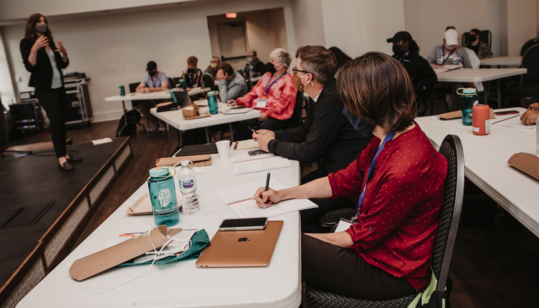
{"x": 254, "y": 131}
{"x": 267, "y": 186}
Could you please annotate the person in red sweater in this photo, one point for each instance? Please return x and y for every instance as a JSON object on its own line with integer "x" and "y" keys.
{"x": 274, "y": 95}
{"x": 387, "y": 252}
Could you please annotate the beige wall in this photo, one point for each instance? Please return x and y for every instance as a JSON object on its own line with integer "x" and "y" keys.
{"x": 265, "y": 31}
{"x": 519, "y": 26}
{"x": 308, "y": 22}
{"x": 7, "y": 91}
{"x": 114, "y": 50}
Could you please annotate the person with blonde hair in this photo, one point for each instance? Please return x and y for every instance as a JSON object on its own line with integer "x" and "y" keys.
{"x": 274, "y": 95}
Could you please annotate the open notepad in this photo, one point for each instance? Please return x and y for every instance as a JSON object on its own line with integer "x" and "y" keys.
{"x": 239, "y": 200}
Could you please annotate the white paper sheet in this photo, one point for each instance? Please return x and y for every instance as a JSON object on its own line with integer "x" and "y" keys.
{"x": 241, "y": 157}
{"x": 248, "y": 207}
{"x": 342, "y": 226}
{"x": 513, "y": 123}
{"x": 228, "y": 110}
{"x": 247, "y": 144}
{"x": 261, "y": 165}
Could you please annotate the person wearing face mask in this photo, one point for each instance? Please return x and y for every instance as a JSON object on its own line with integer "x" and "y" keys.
{"x": 481, "y": 49}
{"x": 213, "y": 68}
{"x": 406, "y": 51}
{"x": 45, "y": 62}
{"x": 274, "y": 95}
{"x": 193, "y": 77}
{"x": 155, "y": 81}
{"x": 326, "y": 135}
{"x": 449, "y": 53}
{"x": 258, "y": 68}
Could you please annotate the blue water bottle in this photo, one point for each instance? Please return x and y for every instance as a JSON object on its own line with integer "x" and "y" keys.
{"x": 163, "y": 196}
{"x": 122, "y": 90}
{"x": 469, "y": 99}
{"x": 212, "y": 102}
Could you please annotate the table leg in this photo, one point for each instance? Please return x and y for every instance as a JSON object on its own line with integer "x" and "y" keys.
{"x": 499, "y": 95}
{"x": 175, "y": 150}
{"x": 125, "y": 117}
{"x": 208, "y": 140}
{"x": 231, "y": 132}
{"x": 486, "y": 93}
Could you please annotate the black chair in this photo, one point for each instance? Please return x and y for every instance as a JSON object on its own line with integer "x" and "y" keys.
{"x": 529, "y": 88}
{"x": 171, "y": 83}
{"x": 446, "y": 234}
{"x": 136, "y": 103}
{"x": 528, "y": 44}
{"x": 484, "y": 36}
{"x": 208, "y": 81}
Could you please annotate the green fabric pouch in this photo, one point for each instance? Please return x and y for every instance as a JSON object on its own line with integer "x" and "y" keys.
{"x": 199, "y": 242}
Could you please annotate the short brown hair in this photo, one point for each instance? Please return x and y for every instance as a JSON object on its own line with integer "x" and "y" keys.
{"x": 192, "y": 60}
{"x": 378, "y": 89}
{"x": 227, "y": 68}
{"x": 30, "y": 29}
{"x": 318, "y": 61}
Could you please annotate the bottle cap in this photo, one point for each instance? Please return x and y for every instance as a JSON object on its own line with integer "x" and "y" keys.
{"x": 185, "y": 163}
{"x": 469, "y": 91}
{"x": 159, "y": 171}
{"x": 212, "y": 93}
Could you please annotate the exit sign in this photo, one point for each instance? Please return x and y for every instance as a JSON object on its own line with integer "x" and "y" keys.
{"x": 231, "y": 15}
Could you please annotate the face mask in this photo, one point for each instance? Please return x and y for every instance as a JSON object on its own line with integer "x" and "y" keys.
{"x": 473, "y": 37}
{"x": 249, "y": 59}
{"x": 297, "y": 82}
{"x": 397, "y": 49}
{"x": 213, "y": 65}
{"x": 152, "y": 73}
{"x": 276, "y": 69}
{"x": 191, "y": 70}
{"x": 271, "y": 68}
{"x": 42, "y": 28}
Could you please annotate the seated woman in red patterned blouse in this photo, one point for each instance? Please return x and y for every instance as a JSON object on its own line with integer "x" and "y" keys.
{"x": 387, "y": 252}
{"x": 274, "y": 95}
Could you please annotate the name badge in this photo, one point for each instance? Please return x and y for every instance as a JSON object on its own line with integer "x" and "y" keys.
{"x": 261, "y": 103}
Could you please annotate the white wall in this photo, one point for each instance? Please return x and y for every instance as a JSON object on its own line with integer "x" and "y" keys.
{"x": 361, "y": 26}
{"x": 308, "y": 23}
{"x": 277, "y": 29}
{"x": 114, "y": 50}
{"x": 520, "y": 28}
{"x": 7, "y": 91}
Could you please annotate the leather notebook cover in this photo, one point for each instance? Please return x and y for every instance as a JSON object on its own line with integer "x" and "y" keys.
{"x": 252, "y": 248}
{"x": 198, "y": 149}
{"x": 198, "y": 160}
{"x": 527, "y": 163}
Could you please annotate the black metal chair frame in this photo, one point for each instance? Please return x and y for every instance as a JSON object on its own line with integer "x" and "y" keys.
{"x": 530, "y": 90}
{"x": 446, "y": 234}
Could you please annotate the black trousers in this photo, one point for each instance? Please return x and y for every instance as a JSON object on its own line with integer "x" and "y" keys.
{"x": 54, "y": 101}
{"x": 242, "y": 131}
{"x": 344, "y": 272}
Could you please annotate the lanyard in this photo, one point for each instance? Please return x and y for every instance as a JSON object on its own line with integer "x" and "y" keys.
{"x": 388, "y": 137}
{"x": 449, "y": 55}
{"x": 269, "y": 85}
{"x": 404, "y": 56}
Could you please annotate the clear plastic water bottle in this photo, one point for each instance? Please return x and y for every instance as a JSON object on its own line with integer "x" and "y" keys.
{"x": 163, "y": 196}
{"x": 188, "y": 187}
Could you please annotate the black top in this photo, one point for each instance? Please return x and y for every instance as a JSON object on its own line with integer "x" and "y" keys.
{"x": 259, "y": 68}
{"x": 474, "y": 48}
{"x": 41, "y": 77}
{"x": 326, "y": 134}
{"x": 422, "y": 75}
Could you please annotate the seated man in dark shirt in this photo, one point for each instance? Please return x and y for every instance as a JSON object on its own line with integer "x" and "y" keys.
{"x": 257, "y": 66}
{"x": 326, "y": 135}
{"x": 481, "y": 49}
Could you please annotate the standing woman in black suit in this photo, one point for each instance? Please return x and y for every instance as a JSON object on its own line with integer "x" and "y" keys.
{"x": 45, "y": 61}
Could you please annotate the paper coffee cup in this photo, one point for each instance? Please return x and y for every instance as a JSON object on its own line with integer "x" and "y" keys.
{"x": 203, "y": 111}
{"x": 223, "y": 148}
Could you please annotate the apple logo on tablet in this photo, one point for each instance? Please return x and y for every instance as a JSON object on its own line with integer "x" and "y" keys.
{"x": 243, "y": 239}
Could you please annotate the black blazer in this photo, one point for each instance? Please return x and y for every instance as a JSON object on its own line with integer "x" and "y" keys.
{"x": 41, "y": 77}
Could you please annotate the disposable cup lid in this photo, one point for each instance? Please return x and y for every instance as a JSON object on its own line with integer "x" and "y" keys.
{"x": 159, "y": 171}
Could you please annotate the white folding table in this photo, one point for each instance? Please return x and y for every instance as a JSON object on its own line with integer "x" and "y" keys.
{"x": 147, "y": 96}
{"x": 182, "y": 284}
{"x": 176, "y": 120}
{"x": 485, "y": 159}
{"x": 480, "y": 75}
{"x": 498, "y": 61}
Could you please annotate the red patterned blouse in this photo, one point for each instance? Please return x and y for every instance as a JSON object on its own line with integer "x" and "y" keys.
{"x": 397, "y": 224}
{"x": 281, "y": 96}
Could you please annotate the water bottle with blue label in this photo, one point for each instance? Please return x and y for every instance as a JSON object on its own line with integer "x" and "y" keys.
{"x": 188, "y": 188}
{"x": 163, "y": 196}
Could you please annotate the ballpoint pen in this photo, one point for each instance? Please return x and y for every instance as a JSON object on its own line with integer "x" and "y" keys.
{"x": 267, "y": 186}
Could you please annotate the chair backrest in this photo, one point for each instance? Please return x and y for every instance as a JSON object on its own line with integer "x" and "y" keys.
{"x": 171, "y": 83}
{"x": 530, "y": 61}
{"x": 451, "y": 148}
{"x": 298, "y": 109}
{"x": 528, "y": 44}
{"x": 132, "y": 89}
{"x": 484, "y": 36}
{"x": 208, "y": 81}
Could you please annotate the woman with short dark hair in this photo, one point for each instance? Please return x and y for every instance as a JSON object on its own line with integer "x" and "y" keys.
{"x": 386, "y": 253}
{"x": 45, "y": 62}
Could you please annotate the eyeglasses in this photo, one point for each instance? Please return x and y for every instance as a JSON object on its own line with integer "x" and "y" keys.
{"x": 295, "y": 70}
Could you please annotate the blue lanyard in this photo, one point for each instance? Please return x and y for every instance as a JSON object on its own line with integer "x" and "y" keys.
{"x": 388, "y": 137}
{"x": 269, "y": 85}
{"x": 449, "y": 55}
{"x": 404, "y": 56}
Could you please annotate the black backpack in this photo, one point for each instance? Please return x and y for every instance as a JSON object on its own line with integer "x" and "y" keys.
{"x": 133, "y": 117}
